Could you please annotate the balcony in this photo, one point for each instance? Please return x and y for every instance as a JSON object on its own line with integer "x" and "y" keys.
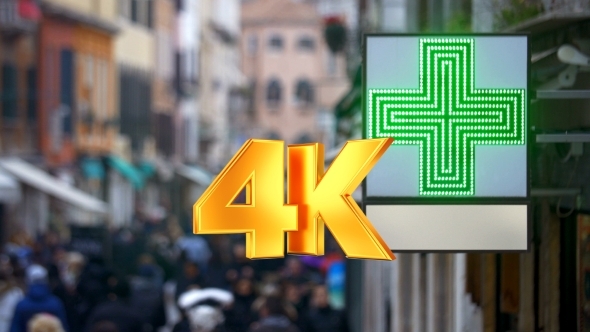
{"x": 11, "y": 20}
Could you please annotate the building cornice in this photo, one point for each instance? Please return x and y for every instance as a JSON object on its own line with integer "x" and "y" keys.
{"x": 62, "y": 12}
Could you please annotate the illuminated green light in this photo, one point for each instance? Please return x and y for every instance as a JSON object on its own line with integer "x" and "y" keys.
{"x": 446, "y": 116}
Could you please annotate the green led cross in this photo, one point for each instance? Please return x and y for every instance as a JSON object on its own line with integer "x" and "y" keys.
{"x": 447, "y": 116}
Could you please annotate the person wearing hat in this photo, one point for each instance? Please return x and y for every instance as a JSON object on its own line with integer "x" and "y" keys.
{"x": 10, "y": 295}
{"x": 203, "y": 310}
{"x": 37, "y": 300}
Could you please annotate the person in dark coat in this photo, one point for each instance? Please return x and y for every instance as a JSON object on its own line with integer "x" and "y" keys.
{"x": 117, "y": 310}
{"x": 38, "y": 300}
{"x": 190, "y": 278}
{"x": 241, "y": 266}
{"x": 273, "y": 317}
{"x": 240, "y": 316}
{"x": 92, "y": 288}
{"x": 148, "y": 300}
{"x": 322, "y": 317}
{"x": 292, "y": 294}
{"x": 66, "y": 289}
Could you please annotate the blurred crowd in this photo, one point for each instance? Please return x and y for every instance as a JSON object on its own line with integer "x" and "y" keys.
{"x": 168, "y": 280}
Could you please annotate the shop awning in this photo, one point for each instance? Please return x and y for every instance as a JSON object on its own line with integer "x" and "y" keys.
{"x": 196, "y": 174}
{"x": 127, "y": 170}
{"x": 9, "y": 188}
{"x": 147, "y": 168}
{"x": 92, "y": 168}
{"x": 39, "y": 179}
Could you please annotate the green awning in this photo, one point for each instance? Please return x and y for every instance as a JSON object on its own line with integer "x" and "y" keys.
{"x": 127, "y": 170}
{"x": 147, "y": 168}
{"x": 92, "y": 168}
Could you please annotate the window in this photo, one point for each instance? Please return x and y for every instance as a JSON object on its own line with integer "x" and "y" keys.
{"x": 9, "y": 92}
{"x": 194, "y": 73}
{"x": 306, "y": 43}
{"x": 89, "y": 72}
{"x": 178, "y": 62}
{"x": 304, "y": 93}
{"x": 252, "y": 45}
{"x": 165, "y": 55}
{"x": 304, "y": 138}
{"x": 275, "y": 43}
{"x": 273, "y": 135}
{"x": 124, "y": 8}
{"x": 134, "y": 10}
{"x": 179, "y": 5}
{"x": 141, "y": 12}
{"x": 273, "y": 92}
{"x": 103, "y": 74}
{"x": 150, "y": 13}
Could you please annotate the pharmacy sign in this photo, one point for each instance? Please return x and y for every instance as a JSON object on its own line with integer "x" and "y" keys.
{"x": 456, "y": 107}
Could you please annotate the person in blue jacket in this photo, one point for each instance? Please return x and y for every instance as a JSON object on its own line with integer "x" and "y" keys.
{"x": 37, "y": 300}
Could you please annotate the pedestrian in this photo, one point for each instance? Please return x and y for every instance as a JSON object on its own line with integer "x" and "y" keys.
{"x": 203, "y": 310}
{"x": 195, "y": 249}
{"x": 273, "y": 317}
{"x": 67, "y": 291}
{"x": 91, "y": 287}
{"x": 241, "y": 265}
{"x": 190, "y": 278}
{"x": 38, "y": 300}
{"x": 322, "y": 317}
{"x": 240, "y": 316}
{"x": 10, "y": 295}
{"x": 294, "y": 297}
{"x": 117, "y": 310}
{"x": 147, "y": 297}
{"x": 44, "y": 323}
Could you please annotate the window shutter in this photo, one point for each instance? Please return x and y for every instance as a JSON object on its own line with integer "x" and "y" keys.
{"x": 134, "y": 11}
{"x": 32, "y": 95}
{"x": 67, "y": 87}
{"x": 9, "y": 92}
{"x": 150, "y": 13}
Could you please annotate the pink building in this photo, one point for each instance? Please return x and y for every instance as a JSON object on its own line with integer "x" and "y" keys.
{"x": 296, "y": 79}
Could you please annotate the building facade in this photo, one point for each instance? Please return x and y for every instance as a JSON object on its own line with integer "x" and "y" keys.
{"x": 18, "y": 61}
{"x": 295, "y": 79}
{"x": 219, "y": 79}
